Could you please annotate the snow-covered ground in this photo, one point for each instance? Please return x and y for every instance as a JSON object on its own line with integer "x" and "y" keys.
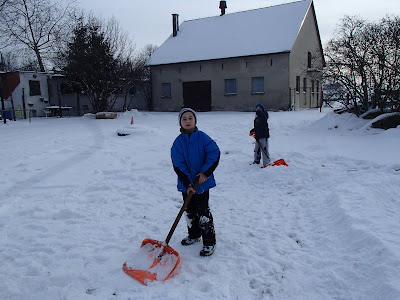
{"x": 76, "y": 201}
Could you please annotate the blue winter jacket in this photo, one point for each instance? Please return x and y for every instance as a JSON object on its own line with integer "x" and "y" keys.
{"x": 193, "y": 154}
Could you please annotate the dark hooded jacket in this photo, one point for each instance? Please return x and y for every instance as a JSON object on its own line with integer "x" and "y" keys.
{"x": 261, "y": 125}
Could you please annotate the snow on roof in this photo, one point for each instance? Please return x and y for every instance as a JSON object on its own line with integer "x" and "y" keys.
{"x": 260, "y": 31}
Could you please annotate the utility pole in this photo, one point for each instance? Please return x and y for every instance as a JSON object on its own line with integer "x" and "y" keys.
{"x": 2, "y": 103}
{"x": 1, "y": 90}
{"x": 23, "y": 102}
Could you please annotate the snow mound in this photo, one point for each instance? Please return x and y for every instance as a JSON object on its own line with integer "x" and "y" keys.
{"x": 339, "y": 122}
{"x": 132, "y": 129}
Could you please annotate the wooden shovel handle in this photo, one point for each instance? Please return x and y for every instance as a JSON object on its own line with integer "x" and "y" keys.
{"x": 178, "y": 217}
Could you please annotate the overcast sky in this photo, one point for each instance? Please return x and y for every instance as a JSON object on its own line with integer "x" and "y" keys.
{"x": 150, "y": 22}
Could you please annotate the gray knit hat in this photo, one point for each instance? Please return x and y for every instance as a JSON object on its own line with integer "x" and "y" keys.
{"x": 186, "y": 109}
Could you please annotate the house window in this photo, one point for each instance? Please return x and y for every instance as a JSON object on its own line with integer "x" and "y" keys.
{"x": 66, "y": 88}
{"x": 230, "y": 86}
{"x": 257, "y": 85}
{"x": 298, "y": 84}
{"x": 309, "y": 59}
{"x": 312, "y": 86}
{"x": 166, "y": 90}
{"x": 34, "y": 88}
{"x": 304, "y": 85}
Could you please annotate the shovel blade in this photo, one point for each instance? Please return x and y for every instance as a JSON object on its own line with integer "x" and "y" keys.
{"x": 155, "y": 261}
{"x": 280, "y": 162}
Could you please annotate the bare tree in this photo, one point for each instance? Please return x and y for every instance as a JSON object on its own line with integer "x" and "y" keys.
{"x": 134, "y": 73}
{"x": 11, "y": 61}
{"x": 144, "y": 83}
{"x": 346, "y": 59}
{"x": 136, "y": 78}
{"x": 2, "y": 4}
{"x": 363, "y": 61}
{"x": 123, "y": 49}
{"x": 37, "y": 25}
{"x": 385, "y": 77}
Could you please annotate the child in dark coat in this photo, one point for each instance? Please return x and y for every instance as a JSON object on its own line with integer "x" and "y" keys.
{"x": 194, "y": 154}
{"x": 261, "y": 131}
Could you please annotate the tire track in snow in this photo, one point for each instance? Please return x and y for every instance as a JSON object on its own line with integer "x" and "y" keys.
{"x": 51, "y": 169}
{"x": 330, "y": 236}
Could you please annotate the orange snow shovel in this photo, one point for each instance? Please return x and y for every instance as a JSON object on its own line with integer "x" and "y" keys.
{"x": 279, "y": 162}
{"x": 156, "y": 260}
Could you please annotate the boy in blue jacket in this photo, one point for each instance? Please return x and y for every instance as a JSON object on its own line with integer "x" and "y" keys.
{"x": 195, "y": 154}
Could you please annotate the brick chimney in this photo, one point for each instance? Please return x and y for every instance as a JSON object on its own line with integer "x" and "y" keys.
{"x": 175, "y": 24}
{"x": 222, "y": 6}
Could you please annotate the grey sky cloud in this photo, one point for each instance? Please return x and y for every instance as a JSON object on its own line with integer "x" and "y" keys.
{"x": 150, "y": 22}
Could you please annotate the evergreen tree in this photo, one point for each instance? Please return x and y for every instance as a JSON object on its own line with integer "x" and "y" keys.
{"x": 91, "y": 65}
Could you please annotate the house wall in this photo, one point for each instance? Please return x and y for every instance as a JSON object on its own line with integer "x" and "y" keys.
{"x": 273, "y": 67}
{"x": 307, "y": 41}
{"x": 24, "y": 102}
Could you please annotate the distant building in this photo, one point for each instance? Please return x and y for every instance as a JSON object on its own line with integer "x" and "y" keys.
{"x": 270, "y": 55}
{"x": 30, "y": 94}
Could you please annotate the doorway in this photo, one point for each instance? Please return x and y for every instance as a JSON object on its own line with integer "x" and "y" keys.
{"x": 197, "y": 95}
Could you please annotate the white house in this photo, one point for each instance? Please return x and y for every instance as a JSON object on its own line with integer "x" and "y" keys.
{"x": 28, "y": 94}
{"x": 24, "y": 93}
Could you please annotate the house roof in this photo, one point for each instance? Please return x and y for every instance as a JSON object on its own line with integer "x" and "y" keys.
{"x": 260, "y": 31}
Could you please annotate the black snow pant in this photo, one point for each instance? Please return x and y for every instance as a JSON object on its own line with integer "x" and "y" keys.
{"x": 199, "y": 218}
